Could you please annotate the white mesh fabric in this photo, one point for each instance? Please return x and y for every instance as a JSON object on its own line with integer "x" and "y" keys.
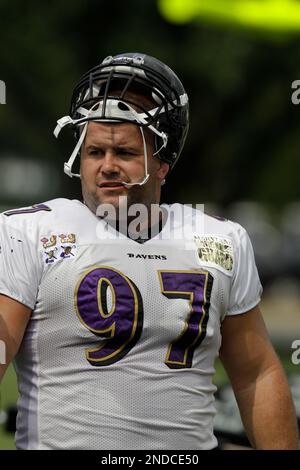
{"x": 137, "y": 402}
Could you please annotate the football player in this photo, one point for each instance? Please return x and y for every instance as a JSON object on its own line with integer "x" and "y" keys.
{"x": 115, "y": 321}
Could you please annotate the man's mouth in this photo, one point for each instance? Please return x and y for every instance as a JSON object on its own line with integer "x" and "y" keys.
{"x": 110, "y": 184}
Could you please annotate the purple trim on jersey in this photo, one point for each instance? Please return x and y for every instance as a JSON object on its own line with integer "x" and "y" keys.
{"x": 218, "y": 217}
{"x": 28, "y": 210}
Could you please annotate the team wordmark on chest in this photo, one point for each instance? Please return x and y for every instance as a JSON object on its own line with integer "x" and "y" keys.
{"x": 143, "y": 256}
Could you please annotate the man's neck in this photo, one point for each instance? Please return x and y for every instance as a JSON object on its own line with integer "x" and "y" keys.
{"x": 141, "y": 229}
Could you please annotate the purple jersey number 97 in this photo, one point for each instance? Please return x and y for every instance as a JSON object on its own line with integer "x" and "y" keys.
{"x": 122, "y": 323}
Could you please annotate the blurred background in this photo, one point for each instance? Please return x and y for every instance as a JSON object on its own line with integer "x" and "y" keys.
{"x": 237, "y": 59}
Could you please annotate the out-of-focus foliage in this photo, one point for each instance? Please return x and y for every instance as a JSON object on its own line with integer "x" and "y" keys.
{"x": 243, "y": 141}
{"x": 267, "y": 15}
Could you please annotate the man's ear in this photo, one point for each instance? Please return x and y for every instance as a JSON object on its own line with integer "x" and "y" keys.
{"x": 163, "y": 170}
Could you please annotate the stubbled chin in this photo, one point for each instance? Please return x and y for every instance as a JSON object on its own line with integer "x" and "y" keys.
{"x": 111, "y": 197}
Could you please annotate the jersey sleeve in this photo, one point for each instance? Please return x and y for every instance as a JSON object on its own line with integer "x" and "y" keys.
{"x": 246, "y": 288}
{"x": 20, "y": 267}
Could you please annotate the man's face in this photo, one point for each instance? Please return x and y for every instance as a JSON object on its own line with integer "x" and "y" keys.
{"x": 113, "y": 154}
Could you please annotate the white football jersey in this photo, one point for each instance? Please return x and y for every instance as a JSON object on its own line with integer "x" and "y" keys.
{"x": 120, "y": 348}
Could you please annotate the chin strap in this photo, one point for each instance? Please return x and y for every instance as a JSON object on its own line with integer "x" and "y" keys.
{"x": 113, "y": 110}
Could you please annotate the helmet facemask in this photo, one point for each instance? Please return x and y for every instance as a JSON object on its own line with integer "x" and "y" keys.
{"x": 125, "y": 89}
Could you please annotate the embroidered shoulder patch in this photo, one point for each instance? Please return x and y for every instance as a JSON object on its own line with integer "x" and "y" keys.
{"x": 56, "y": 247}
{"x": 215, "y": 250}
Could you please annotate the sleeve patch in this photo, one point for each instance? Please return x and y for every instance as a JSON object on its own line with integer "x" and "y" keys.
{"x": 216, "y": 250}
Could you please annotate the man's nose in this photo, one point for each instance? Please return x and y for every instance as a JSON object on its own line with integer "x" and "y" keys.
{"x": 109, "y": 164}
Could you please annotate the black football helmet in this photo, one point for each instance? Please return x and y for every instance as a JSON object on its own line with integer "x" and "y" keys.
{"x": 103, "y": 94}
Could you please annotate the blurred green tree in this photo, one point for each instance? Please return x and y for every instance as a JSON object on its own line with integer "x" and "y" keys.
{"x": 244, "y": 127}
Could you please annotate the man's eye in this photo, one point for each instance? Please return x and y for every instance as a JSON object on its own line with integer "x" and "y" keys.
{"x": 125, "y": 152}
